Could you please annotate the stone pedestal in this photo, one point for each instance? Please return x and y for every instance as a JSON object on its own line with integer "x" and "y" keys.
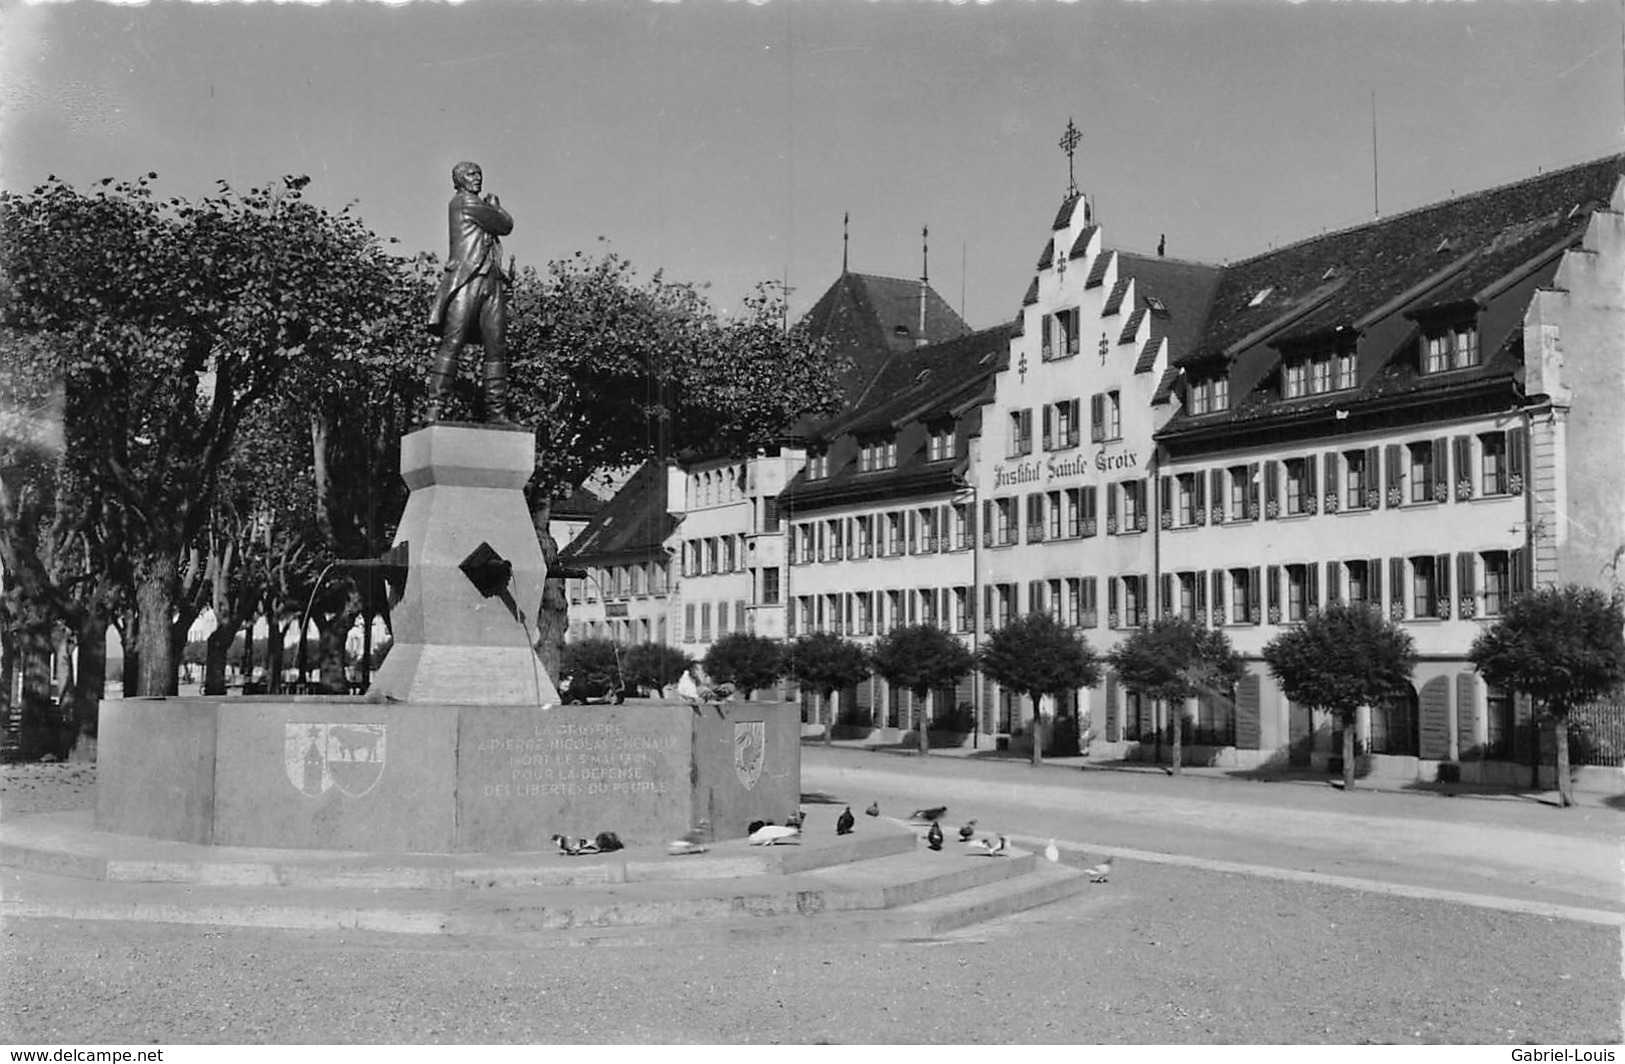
{"x": 454, "y": 643}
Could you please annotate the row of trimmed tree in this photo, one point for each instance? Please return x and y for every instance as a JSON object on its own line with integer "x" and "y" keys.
{"x": 1562, "y": 647}
{"x": 201, "y": 403}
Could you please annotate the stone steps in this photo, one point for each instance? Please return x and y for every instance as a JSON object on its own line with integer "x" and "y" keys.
{"x": 879, "y": 882}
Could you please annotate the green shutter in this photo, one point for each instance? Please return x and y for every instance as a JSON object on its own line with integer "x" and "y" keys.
{"x": 1395, "y": 482}
{"x": 1248, "y": 731}
{"x": 1334, "y": 586}
{"x": 1272, "y": 488}
{"x": 1255, "y": 613}
{"x": 1113, "y": 725}
{"x": 1433, "y": 707}
{"x": 1467, "y": 716}
{"x": 1396, "y": 589}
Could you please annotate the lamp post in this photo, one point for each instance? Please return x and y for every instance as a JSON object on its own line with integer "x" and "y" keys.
{"x": 965, "y": 487}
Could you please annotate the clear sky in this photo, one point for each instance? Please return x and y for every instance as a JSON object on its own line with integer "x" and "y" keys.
{"x": 722, "y": 141}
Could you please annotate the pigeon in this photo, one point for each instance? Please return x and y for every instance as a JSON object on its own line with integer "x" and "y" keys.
{"x": 1099, "y": 872}
{"x": 608, "y": 842}
{"x": 1052, "y": 852}
{"x": 564, "y": 844}
{"x": 967, "y": 831}
{"x": 874, "y": 808}
{"x": 844, "y": 822}
{"x": 755, "y": 826}
{"x": 991, "y": 846}
{"x": 936, "y": 812}
{"x": 798, "y": 820}
{"x": 933, "y": 838}
{"x": 693, "y": 842}
{"x": 584, "y": 846}
{"x": 772, "y": 834}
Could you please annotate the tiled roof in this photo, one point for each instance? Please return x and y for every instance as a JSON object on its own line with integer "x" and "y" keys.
{"x": 1046, "y": 258}
{"x": 1148, "y": 356}
{"x": 1369, "y": 287}
{"x": 865, "y": 318}
{"x": 931, "y": 383}
{"x": 1114, "y": 302}
{"x": 1184, "y": 290}
{"x": 1165, "y": 387}
{"x": 1080, "y": 246}
{"x": 1063, "y": 217}
{"x": 1032, "y": 294}
{"x": 582, "y": 503}
{"x": 1097, "y": 272}
{"x": 634, "y": 524}
{"x": 1132, "y": 326}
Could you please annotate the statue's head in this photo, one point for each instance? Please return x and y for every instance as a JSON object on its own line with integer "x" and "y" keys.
{"x": 466, "y": 177}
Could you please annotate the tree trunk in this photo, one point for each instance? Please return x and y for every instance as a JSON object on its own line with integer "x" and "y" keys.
{"x": 1176, "y": 721}
{"x": 276, "y": 635}
{"x": 1348, "y": 753}
{"x": 154, "y": 599}
{"x": 90, "y": 679}
{"x": 920, "y": 722}
{"x": 1560, "y": 734}
{"x": 34, "y": 649}
{"x": 215, "y": 650}
{"x": 829, "y": 728}
{"x": 331, "y": 634}
{"x": 553, "y": 612}
{"x": 1038, "y": 733}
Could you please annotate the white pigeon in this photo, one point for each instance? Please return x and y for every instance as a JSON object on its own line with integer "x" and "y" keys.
{"x": 1099, "y": 872}
{"x": 772, "y": 834}
{"x": 1052, "y": 852}
{"x": 687, "y": 689}
{"x": 989, "y": 845}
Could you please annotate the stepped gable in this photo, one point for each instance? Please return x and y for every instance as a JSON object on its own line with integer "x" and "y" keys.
{"x": 1475, "y": 249}
{"x": 633, "y": 523}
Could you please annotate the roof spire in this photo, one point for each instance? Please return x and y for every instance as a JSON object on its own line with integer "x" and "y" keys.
{"x": 846, "y": 220}
{"x": 925, "y": 251}
{"x": 1069, "y": 144}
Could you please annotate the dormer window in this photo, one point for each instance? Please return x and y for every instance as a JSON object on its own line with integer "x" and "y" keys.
{"x": 1209, "y": 396}
{"x": 877, "y": 453}
{"x": 939, "y": 442}
{"x": 1317, "y": 374}
{"x": 818, "y": 465}
{"x": 1455, "y": 347}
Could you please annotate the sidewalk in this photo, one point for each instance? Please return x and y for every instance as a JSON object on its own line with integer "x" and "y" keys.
{"x": 1305, "y": 777}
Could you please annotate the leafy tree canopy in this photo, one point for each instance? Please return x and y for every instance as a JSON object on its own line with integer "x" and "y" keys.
{"x": 1562, "y": 646}
{"x": 1344, "y": 657}
{"x": 1039, "y": 656}
{"x": 1175, "y": 659}
{"x": 922, "y": 658}
{"x": 748, "y": 662}
{"x": 654, "y": 665}
{"x": 824, "y": 662}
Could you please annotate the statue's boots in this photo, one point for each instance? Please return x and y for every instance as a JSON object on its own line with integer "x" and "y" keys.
{"x": 496, "y": 393}
{"x": 441, "y": 375}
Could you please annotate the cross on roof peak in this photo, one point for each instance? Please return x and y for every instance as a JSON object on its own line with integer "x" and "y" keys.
{"x": 1069, "y": 144}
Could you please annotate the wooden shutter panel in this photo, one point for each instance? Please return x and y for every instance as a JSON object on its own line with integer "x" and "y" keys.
{"x": 1462, "y": 455}
{"x": 1272, "y": 592}
{"x": 1097, "y": 417}
{"x": 1272, "y": 476}
{"x": 1310, "y": 479}
{"x": 1111, "y": 602}
{"x": 1167, "y": 595}
{"x": 1373, "y": 576}
{"x": 1218, "y": 496}
{"x": 1517, "y": 459}
{"x": 1334, "y": 582}
{"x": 987, "y": 606}
{"x": 1396, "y": 588}
{"x": 1441, "y": 469}
{"x": 1218, "y": 594}
{"x": 1330, "y": 488}
{"x": 1467, "y": 747}
{"x": 1248, "y": 731}
{"x": 1114, "y": 731}
{"x": 1441, "y": 585}
{"x": 1311, "y": 588}
{"x": 1111, "y": 509}
{"x": 1255, "y": 614}
{"x": 1252, "y": 491}
{"x": 1166, "y": 490}
{"x": 1466, "y": 582}
{"x": 1518, "y": 563}
{"x": 1199, "y": 497}
{"x": 1433, "y": 724}
{"x": 1395, "y": 475}
{"x": 1049, "y": 421}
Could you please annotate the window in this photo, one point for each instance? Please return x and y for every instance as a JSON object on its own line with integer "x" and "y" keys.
{"x": 688, "y": 623}
{"x": 705, "y": 622}
{"x": 1497, "y": 582}
{"x": 710, "y": 556}
{"x": 1021, "y": 432}
{"x": 1134, "y": 601}
{"x": 1300, "y": 592}
{"x": 1114, "y": 416}
{"x": 818, "y": 465}
{"x": 1035, "y": 519}
{"x": 1295, "y": 379}
{"x": 1209, "y": 396}
{"x": 1133, "y": 506}
{"x": 1243, "y": 494}
{"x": 1425, "y": 580}
{"x": 1498, "y": 717}
{"x": 1359, "y": 582}
{"x": 1215, "y": 719}
{"x": 1066, "y": 333}
{"x": 1052, "y": 515}
{"x": 964, "y": 611}
{"x": 770, "y": 514}
{"x": 1358, "y": 468}
{"x": 1189, "y": 505}
{"x": 770, "y": 586}
{"x": 1189, "y": 607}
{"x": 1244, "y": 604}
{"x": 1343, "y": 378}
{"x": 1421, "y": 471}
{"x": 1004, "y": 522}
{"x": 1493, "y": 462}
{"x": 877, "y": 454}
{"x": 1453, "y": 348}
{"x": 939, "y": 443}
{"x": 962, "y": 527}
{"x": 834, "y": 547}
{"x": 1105, "y": 417}
{"x": 1300, "y": 479}
{"x": 894, "y": 533}
{"x": 1061, "y": 425}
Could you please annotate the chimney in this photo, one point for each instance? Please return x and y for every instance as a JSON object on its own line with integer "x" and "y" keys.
{"x": 1162, "y": 245}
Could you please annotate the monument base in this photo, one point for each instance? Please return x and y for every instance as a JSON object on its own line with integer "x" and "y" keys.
{"x": 352, "y": 774}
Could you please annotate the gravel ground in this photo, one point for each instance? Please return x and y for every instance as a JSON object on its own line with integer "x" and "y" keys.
{"x": 1159, "y": 954}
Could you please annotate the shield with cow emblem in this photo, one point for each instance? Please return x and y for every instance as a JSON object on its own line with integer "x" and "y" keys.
{"x": 318, "y": 757}
{"x": 750, "y": 750}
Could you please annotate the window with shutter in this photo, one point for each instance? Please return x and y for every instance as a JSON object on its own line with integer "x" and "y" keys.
{"x": 1272, "y": 501}
{"x": 1373, "y": 576}
{"x": 1517, "y": 459}
{"x": 1396, "y": 588}
{"x": 1334, "y": 587}
{"x": 1272, "y": 587}
{"x": 1461, "y": 454}
{"x": 1329, "y": 490}
{"x": 1097, "y": 417}
{"x": 1255, "y": 610}
{"x": 1394, "y": 462}
{"x": 1218, "y": 598}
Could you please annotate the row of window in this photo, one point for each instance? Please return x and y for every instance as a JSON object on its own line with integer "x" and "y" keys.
{"x": 698, "y": 617}
{"x": 714, "y": 554}
{"x": 620, "y": 581}
{"x": 716, "y": 486}
{"x": 1063, "y": 426}
{"x": 921, "y": 530}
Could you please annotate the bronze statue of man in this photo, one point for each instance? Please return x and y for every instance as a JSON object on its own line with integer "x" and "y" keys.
{"x": 471, "y": 304}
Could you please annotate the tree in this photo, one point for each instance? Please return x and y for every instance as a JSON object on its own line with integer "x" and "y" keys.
{"x": 826, "y": 663}
{"x": 1344, "y": 657}
{"x": 1039, "y": 656}
{"x": 1562, "y": 647}
{"x": 748, "y": 662}
{"x": 922, "y": 658}
{"x": 1173, "y": 660}
{"x": 654, "y": 665}
{"x": 593, "y": 662}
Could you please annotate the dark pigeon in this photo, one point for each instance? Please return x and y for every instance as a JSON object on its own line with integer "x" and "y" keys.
{"x": 845, "y": 822}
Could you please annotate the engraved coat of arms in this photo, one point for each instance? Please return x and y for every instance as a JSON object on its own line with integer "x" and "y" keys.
{"x": 318, "y": 757}
{"x": 750, "y": 750}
